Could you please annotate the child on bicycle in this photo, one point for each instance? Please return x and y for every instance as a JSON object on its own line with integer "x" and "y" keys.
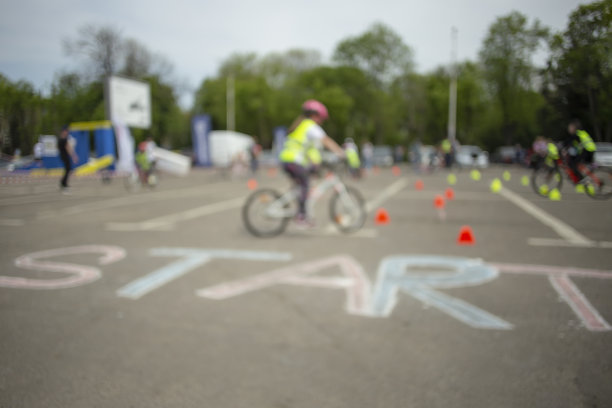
{"x": 143, "y": 163}
{"x": 580, "y": 148}
{"x": 304, "y": 133}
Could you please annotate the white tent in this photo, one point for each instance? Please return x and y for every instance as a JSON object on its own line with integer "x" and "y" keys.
{"x": 226, "y": 145}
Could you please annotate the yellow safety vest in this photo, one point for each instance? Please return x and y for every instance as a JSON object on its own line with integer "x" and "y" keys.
{"x": 586, "y": 141}
{"x": 446, "y": 146}
{"x": 353, "y": 158}
{"x": 296, "y": 145}
{"x": 314, "y": 155}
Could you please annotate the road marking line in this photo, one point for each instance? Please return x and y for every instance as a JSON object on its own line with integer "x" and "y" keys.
{"x": 103, "y": 204}
{"x": 386, "y": 194}
{"x": 331, "y": 229}
{"x": 552, "y": 242}
{"x": 561, "y": 228}
{"x": 11, "y": 222}
{"x": 167, "y": 222}
{"x": 579, "y": 303}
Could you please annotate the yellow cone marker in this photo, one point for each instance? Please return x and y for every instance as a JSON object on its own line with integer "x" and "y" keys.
{"x": 544, "y": 189}
{"x": 507, "y": 176}
{"x": 475, "y": 174}
{"x": 555, "y": 195}
{"x": 580, "y": 188}
{"x": 525, "y": 181}
{"x": 590, "y": 189}
{"x": 451, "y": 179}
{"x": 496, "y": 185}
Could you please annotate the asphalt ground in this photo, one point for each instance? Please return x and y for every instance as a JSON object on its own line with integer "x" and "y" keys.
{"x": 162, "y": 298}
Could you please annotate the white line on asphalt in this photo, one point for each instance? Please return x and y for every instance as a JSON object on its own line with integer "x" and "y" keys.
{"x": 566, "y": 232}
{"x": 386, "y": 194}
{"x": 124, "y": 201}
{"x": 552, "y": 242}
{"x": 167, "y": 222}
{"x": 11, "y": 222}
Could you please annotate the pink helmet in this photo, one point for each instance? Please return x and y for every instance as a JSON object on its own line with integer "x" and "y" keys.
{"x": 317, "y": 107}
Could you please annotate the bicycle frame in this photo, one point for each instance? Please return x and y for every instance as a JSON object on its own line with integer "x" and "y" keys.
{"x": 280, "y": 208}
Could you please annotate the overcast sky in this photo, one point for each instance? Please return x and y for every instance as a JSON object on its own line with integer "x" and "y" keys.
{"x": 196, "y": 36}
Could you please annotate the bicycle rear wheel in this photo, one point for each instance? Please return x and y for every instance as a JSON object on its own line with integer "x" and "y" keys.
{"x": 257, "y": 217}
{"x": 544, "y": 179}
{"x": 347, "y": 210}
{"x": 598, "y": 183}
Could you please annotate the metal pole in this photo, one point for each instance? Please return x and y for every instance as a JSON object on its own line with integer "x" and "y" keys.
{"x": 452, "y": 103}
{"x": 231, "y": 111}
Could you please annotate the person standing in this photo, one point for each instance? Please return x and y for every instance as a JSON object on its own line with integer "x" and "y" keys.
{"x": 67, "y": 155}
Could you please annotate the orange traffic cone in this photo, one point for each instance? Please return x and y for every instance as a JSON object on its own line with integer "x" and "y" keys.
{"x": 466, "y": 236}
{"x": 252, "y": 184}
{"x": 419, "y": 185}
{"x": 450, "y": 194}
{"x": 396, "y": 170}
{"x": 439, "y": 202}
{"x": 382, "y": 217}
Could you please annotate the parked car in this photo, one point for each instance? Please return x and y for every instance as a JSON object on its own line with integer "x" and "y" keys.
{"x": 430, "y": 156}
{"x": 472, "y": 156}
{"x": 603, "y": 155}
{"x": 382, "y": 156}
{"x": 505, "y": 154}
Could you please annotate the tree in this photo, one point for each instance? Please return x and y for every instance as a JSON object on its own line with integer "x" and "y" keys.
{"x": 383, "y": 56}
{"x": 506, "y": 59}
{"x": 581, "y": 68}
{"x": 102, "y": 48}
{"x": 379, "y": 52}
{"x": 20, "y": 111}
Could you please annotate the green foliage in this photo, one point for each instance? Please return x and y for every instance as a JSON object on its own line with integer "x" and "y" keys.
{"x": 509, "y": 72}
{"x": 581, "y": 68}
{"x": 20, "y": 110}
{"x": 380, "y": 52}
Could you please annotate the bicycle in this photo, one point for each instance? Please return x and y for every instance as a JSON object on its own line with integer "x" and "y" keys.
{"x": 134, "y": 181}
{"x": 548, "y": 175}
{"x": 267, "y": 212}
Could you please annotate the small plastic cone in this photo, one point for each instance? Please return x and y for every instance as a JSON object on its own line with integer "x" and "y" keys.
{"x": 376, "y": 170}
{"x": 450, "y": 194}
{"x": 439, "y": 201}
{"x": 590, "y": 189}
{"x": 252, "y": 184}
{"x": 419, "y": 185}
{"x": 580, "y": 188}
{"x": 544, "y": 189}
{"x": 451, "y": 179}
{"x": 396, "y": 170}
{"x": 466, "y": 236}
{"x": 525, "y": 181}
{"x": 475, "y": 175}
{"x": 382, "y": 217}
{"x": 496, "y": 185}
{"x": 507, "y": 176}
{"x": 554, "y": 195}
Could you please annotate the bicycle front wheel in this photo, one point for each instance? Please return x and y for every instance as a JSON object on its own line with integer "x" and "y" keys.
{"x": 599, "y": 183}
{"x": 258, "y": 215}
{"x": 347, "y": 210}
{"x": 544, "y": 179}
{"x": 132, "y": 182}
